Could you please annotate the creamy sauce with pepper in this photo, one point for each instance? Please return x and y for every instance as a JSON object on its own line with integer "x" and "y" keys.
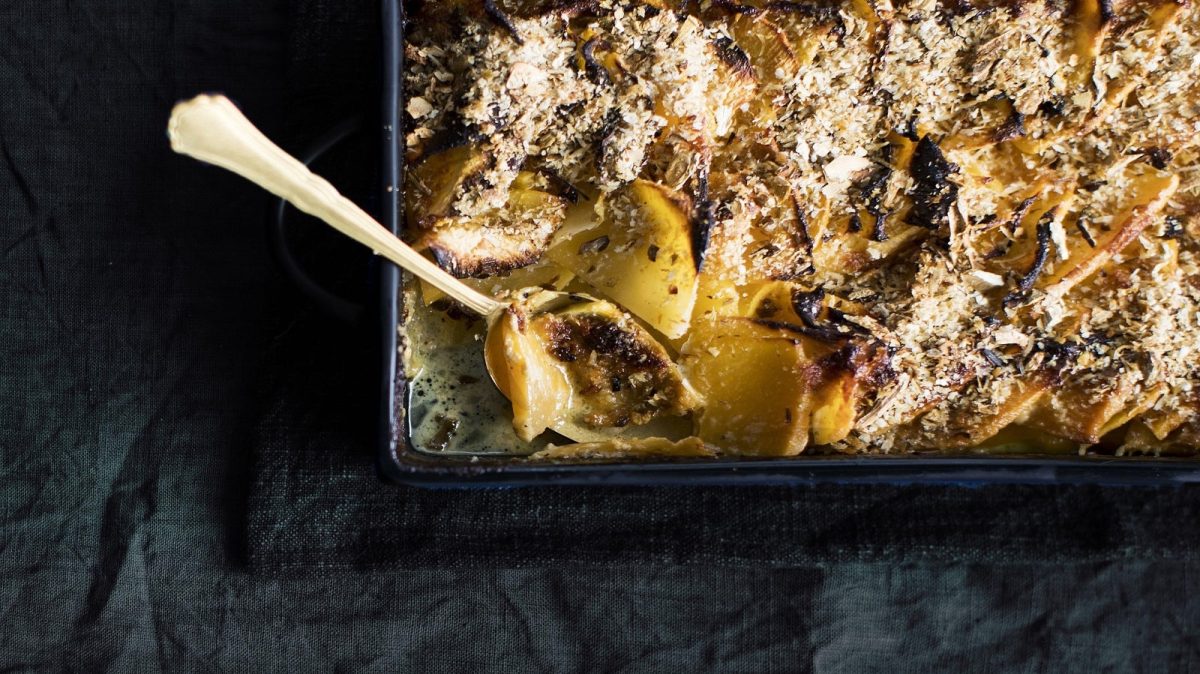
{"x": 453, "y": 406}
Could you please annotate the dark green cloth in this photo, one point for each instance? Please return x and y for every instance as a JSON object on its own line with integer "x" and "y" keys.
{"x": 138, "y": 302}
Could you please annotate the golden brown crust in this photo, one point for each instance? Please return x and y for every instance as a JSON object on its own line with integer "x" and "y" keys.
{"x": 1003, "y": 197}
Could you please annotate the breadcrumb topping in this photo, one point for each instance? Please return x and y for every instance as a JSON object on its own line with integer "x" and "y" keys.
{"x": 1009, "y": 194}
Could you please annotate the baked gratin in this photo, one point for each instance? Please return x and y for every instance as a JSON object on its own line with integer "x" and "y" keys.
{"x": 859, "y": 226}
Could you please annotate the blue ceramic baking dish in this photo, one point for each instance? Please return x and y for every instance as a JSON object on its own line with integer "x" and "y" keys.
{"x": 401, "y": 462}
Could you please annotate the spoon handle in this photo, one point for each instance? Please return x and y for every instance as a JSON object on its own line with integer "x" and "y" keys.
{"x": 211, "y": 128}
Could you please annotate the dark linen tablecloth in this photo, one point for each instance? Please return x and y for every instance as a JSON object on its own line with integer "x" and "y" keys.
{"x": 185, "y": 478}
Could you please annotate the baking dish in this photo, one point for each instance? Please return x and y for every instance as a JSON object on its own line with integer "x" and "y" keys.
{"x": 401, "y": 461}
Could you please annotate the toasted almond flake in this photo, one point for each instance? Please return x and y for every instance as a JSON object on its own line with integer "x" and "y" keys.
{"x": 987, "y": 279}
{"x": 846, "y": 168}
{"x": 1059, "y": 236}
{"x": 1009, "y": 334}
{"x": 418, "y": 107}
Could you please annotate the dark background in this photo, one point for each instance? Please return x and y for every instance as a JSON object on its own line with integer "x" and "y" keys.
{"x": 139, "y": 308}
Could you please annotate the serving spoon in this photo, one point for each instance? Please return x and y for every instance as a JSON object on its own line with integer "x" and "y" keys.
{"x": 543, "y": 392}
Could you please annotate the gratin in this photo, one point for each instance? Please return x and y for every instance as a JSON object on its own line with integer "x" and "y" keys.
{"x": 858, "y": 226}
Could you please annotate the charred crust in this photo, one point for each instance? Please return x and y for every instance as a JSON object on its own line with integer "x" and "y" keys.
{"x": 573, "y": 8}
{"x": 881, "y": 373}
{"x": 932, "y": 192}
{"x": 702, "y": 220}
{"x": 612, "y": 122}
{"x": 1158, "y": 157}
{"x": 1106, "y": 12}
{"x": 562, "y": 186}
{"x": 1019, "y": 213}
{"x": 500, "y": 18}
{"x": 842, "y": 319}
{"x": 595, "y": 72}
{"x": 593, "y": 246}
{"x": 607, "y": 339}
{"x": 567, "y": 8}
{"x": 855, "y": 224}
{"x": 992, "y": 357}
{"x": 807, "y": 305}
{"x": 1011, "y": 225}
{"x": 733, "y": 56}
{"x": 572, "y": 339}
{"x": 802, "y": 234}
{"x": 823, "y": 334}
{"x": 871, "y": 192}
{"x": 1013, "y": 127}
{"x": 877, "y": 228}
{"x": 869, "y": 363}
{"x": 1058, "y": 357}
{"x": 766, "y": 309}
{"x": 459, "y": 267}
{"x": 733, "y": 7}
{"x": 1087, "y": 236}
{"x": 1055, "y": 107}
{"x": 1039, "y": 261}
{"x": 456, "y": 134}
{"x": 1173, "y": 227}
{"x": 953, "y": 8}
{"x": 560, "y": 343}
{"x": 825, "y": 14}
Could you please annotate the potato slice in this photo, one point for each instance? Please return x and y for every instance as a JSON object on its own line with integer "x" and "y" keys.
{"x": 1138, "y": 408}
{"x": 715, "y": 296}
{"x": 620, "y": 373}
{"x": 527, "y": 375}
{"x": 772, "y": 60}
{"x": 543, "y": 274}
{"x": 435, "y": 182}
{"x": 1162, "y": 422}
{"x": 974, "y": 430}
{"x": 498, "y": 241}
{"x": 835, "y": 391}
{"x": 580, "y": 366}
{"x": 756, "y": 382}
{"x": 1149, "y": 195}
{"x": 639, "y": 254}
{"x": 1141, "y": 440}
{"x": 835, "y": 409}
{"x": 1017, "y": 439}
{"x": 772, "y": 56}
{"x": 732, "y": 89}
{"x": 1078, "y": 412}
{"x": 491, "y": 243}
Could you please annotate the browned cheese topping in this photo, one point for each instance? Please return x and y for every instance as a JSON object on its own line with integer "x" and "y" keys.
{"x": 1001, "y": 196}
{"x": 623, "y": 380}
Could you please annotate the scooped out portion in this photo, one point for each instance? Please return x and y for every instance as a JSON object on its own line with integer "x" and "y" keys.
{"x": 582, "y": 367}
